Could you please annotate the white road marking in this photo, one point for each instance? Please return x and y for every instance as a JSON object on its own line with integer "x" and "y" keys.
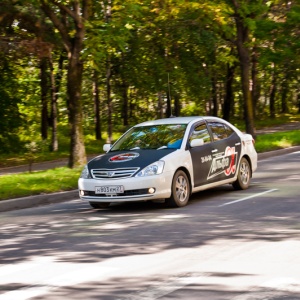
{"x": 249, "y": 197}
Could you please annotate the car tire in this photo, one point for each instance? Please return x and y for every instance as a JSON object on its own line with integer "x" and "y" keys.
{"x": 243, "y": 176}
{"x": 99, "y": 205}
{"x": 180, "y": 190}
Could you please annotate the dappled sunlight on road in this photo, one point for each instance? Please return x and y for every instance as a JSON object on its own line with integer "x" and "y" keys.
{"x": 110, "y": 233}
{"x": 244, "y": 250}
{"x": 154, "y": 274}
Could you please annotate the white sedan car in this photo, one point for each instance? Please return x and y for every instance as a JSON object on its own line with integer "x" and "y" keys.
{"x": 169, "y": 159}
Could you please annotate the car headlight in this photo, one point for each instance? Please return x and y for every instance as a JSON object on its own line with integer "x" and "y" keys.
{"x": 85, "y": 173}
{"x": 153, "y": 169}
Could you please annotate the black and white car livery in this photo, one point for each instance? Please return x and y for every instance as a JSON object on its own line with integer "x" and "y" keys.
{"x": 169, "y": 159}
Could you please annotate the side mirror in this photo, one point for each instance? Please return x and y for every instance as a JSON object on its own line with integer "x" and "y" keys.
{"x": 196, "y": 143}
{"x": 106, "y": 147}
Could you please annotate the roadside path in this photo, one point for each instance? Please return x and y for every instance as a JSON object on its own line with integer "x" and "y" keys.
{"x": 280, "y": 128}
{"x": 40, "y": 166}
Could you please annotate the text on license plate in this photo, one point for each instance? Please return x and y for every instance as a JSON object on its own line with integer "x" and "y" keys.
{"x": 109, "y": 189}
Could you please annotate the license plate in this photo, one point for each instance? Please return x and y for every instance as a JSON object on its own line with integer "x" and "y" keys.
{"x": 109, "y": 189}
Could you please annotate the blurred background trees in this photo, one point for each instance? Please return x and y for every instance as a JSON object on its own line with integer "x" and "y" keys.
{"x": 87, "y": 68}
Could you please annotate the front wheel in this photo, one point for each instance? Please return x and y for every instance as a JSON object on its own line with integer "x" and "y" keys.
{"x": 180, "y": 190}
{"x": 99, "y": 205}
{"x": 244, "y": 175}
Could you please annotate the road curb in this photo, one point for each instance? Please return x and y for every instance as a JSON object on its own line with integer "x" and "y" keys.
{"x": 265, "y": 155}
{"x": 32, "y": 201}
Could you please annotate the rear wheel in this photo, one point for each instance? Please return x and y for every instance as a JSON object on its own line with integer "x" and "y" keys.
{"x": 99, "y": 205}
{"x": 180, "y": 190}
{"x": 244, "y": 175}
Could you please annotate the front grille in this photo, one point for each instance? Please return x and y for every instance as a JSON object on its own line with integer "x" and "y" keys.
{"x": 113, "y": 173}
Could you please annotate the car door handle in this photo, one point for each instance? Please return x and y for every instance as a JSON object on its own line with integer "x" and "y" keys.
{"x": 214, "y": 151}
{"x": 237, "y": 144}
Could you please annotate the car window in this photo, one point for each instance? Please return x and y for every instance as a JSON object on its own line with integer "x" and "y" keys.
{"x": 152, "y": 137}
{"x": 201, "y": 132}
{"x": 229, "y": 130}
{"x": 220, "y": 131}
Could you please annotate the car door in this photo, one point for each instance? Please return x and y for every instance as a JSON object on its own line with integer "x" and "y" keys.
{"x": 226, "y": 151}
{"x": 201, "y": 155}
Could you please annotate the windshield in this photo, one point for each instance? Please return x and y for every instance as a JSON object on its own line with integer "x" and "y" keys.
{"x": 152, "y": 137}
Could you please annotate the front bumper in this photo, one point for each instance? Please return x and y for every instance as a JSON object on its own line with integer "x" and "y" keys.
{"x": 135, "y": 188}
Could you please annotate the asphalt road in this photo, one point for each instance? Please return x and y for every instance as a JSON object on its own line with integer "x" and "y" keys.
{"x": 226, "y": 244}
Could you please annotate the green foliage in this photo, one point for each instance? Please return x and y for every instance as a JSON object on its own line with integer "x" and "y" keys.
{"x": 193, "y": 110}
{"x": 278, "y": 140}
{"x": 143, "y": 43}
{"x": 10, "y": 118}
{"x": 27, "y": 184}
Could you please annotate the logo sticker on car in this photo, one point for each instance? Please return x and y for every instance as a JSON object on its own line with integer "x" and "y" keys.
{"x": 223, "y": 163}
{"x": 123, "y": 157}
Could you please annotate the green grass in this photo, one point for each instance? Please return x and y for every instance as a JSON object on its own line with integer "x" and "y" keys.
{"x": 277, "y": 140}
{"x": 43, "y": 182}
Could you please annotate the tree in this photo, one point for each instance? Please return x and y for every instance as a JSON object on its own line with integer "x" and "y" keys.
{"x": 96, "y": 97}
{"x": 69, "y": 19}
{"x": 33, "y": 38}
{"x": 44, "y": 92}
{"x": 243, "y": 17}
{"x": 128, "y": 49}
{"x": 55, "y": 79}
{"x": 10, "y": 118}
{"x": 229, "y": 98}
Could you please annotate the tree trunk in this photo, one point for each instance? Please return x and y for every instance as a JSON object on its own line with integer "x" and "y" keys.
{"x": 107, "y": 18}
{"x": 72, "y": 34}
{"x": 214, "y": 96}
{"x": 96, "y": 97}
{"x": 176, "y": 105}
{"x": 248, "y": 104}
{"x": 229, "y": 98}
{"x": 244, "y": 59}
{"x": 55, "y": 84}
{"x": 77, "y": 148}
{"x": 272, "y": 96}
{"x": 125, "y": 102}
{"x": 298, "y": 95}
{"x": 284, "y": 93}
{"x": 109, "y": 102}
{"x": 44, "y": 94}
{"x": 169, "y": 112}
{"x": 255, "y": 83}
{"x": 160, "y": 105}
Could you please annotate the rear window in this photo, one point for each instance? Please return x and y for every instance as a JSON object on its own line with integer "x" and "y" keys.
{"x": 220, "y": 131}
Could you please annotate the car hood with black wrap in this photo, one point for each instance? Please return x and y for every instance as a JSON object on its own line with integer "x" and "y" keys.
{"x": 139, "y": 158}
